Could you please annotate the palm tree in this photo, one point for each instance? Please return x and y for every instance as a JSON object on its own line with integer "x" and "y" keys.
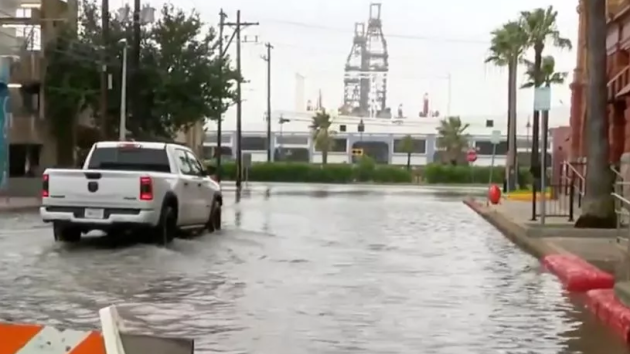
{"x": 322, "y": 135}
{"x": 507, "y": 47}
{"x": 540, "y": 25}
{"x": 549, "y": 76}
{"x": 598, "y": 210}
{"x": 452, "y": 138}
{"x": 406, "y": 146}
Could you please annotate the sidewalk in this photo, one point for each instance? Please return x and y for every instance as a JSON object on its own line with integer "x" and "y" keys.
{"x": 602, "y": 248}
{"x": 14, "y": 204}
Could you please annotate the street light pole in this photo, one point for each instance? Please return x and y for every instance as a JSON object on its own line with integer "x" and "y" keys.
{"x": 122, "y": 129}
{"x": 219, "y": 151}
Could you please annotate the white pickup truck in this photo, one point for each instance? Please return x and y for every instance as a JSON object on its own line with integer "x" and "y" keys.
{"x": 156, "y": 188}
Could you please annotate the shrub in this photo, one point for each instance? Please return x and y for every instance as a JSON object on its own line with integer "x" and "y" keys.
{"x": 365, "y": 171}
{"x": 464, "y": 174}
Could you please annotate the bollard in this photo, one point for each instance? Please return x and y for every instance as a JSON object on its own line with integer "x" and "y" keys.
{"x": 112, "y": 339}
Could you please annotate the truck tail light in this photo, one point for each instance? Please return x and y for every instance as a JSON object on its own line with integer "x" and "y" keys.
{"x": 146, "y": 188}
{"x": 45, "y": 186}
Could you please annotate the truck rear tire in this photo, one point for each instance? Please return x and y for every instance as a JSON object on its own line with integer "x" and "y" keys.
{"x": 214, "y": 220}
{"x": 66, "y": 233}
{"x": 165, "y": 231}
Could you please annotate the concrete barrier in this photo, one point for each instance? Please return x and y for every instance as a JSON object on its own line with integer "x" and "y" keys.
{"x": 112, "y": 339}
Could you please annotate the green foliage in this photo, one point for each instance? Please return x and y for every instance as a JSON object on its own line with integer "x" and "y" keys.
{"x": 508, "y": 44}
{"x": 69, "y": 87}
{"x": 449, "y": 174}
{"x": 322, "y": 135}
{"x": 365, "y": 171}
{"x": 548, "y": 72}
{"x": 452, "y": 137}
{"x": 181, "y": 79}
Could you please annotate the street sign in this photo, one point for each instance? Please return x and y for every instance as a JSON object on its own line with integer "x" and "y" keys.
{"x": 496, "y": 137}
{"x": 542, "y": 98}
{"x": 471, "y": 156}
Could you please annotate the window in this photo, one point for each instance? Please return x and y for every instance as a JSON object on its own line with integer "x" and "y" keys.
{"x": 129, "y": 159}
{"x": 292, "y": 140}
{"x": 210, "y": 152}
{"x": 254, "y": 143}
{"x": 419, "y": 146}
{"x": 486, "y": 148}
{"x": 523, "y": 144}
{"x": 182, "y": 162}
{"x": 337, "y": 145}
{"x": 196, "y": 166}
{"x": 212, "y": 138}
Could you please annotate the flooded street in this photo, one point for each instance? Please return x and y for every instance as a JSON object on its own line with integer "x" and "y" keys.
{"x": 309, "y": 270}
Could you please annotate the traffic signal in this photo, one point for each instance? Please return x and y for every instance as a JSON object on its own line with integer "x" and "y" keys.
{"x": 357, "y": 152}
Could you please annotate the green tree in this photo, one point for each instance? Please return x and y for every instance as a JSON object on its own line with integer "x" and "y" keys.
{"x": 509, "y": 43}
{"x": 407, "y": 147}
{"x": 549, "y": 76}
{"x": 598, "y": 210}
{"x": 181, "y": 79}
{"x": 322, "y": 135}
{"x": 452, "y": 138}
{"x": 541, "y": 27}
{"x": 69, "y": 87}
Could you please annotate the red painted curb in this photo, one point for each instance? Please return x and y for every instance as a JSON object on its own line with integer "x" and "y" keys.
{"x": 576, "y": 274}
{"x": 601, "y": 301}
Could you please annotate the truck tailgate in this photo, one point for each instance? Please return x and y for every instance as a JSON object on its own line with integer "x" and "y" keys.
{"x": 98, "y": 188}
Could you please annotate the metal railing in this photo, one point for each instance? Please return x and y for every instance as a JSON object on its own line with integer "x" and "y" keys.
{"x": 622, "y": 204}
{"x": 576, "y": 172}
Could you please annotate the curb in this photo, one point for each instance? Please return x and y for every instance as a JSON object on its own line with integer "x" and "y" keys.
{"x": 515, "y": 233}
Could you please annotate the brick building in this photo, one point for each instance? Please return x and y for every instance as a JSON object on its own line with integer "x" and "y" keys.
{"x": 618, "y": 67}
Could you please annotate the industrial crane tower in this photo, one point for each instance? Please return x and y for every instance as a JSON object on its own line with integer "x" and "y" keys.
{"x": 367, "y": 65}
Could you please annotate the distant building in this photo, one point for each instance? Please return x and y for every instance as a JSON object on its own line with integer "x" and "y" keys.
{"x": 381, "y": 140}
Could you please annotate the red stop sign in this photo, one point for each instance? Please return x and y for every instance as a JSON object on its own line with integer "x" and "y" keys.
{"x": 471, "y": 156}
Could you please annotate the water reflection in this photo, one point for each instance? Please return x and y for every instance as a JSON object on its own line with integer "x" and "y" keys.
{"x": 345, "y": 272}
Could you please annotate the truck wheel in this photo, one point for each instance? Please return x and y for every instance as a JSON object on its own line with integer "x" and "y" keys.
{"x": 214, "y": 220}
{"x": 166, "y": 229}
{"x": 66, "y": 233}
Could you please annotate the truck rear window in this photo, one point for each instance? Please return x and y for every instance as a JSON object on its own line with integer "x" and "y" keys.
{"x": 129, "y": 159}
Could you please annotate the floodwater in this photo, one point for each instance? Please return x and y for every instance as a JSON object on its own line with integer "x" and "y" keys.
{"x": 301, "y": 269}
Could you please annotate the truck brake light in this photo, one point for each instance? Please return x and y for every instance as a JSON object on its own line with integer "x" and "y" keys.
{"x": 146, "y": 188}
{"x": 45, "y": 186}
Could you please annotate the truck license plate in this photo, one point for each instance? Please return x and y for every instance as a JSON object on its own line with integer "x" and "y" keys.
{"x": 94, "y": 213}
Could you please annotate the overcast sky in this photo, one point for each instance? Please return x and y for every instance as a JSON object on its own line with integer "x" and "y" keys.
{"x": 314, "y": 37}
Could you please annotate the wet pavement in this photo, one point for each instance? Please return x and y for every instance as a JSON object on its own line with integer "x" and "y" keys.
{"x": 336, "y": 269}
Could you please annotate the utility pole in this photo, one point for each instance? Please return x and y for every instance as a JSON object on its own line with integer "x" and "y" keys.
{"x": 104, "y": 71}
{"x": 135, "y": 67}
{"x": 268, "y": 60}
{"x": 222, "y": 17}
{"x": 239, "y": 104}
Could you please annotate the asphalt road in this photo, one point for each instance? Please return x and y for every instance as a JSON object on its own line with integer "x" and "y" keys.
{"x": 309, "y": 269}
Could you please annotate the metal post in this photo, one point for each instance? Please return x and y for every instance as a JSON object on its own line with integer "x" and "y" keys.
{"x": 269, "y": 142}
{"x": 571, "y": 197}
{"x": 104, "y": 71}
{"x": 122, "y": 128}
{"x": 543, "y": 167}
{"x": 137, "y": 34}
{"x": 220, "y": 117}
{"x": 494, "y": 153}
{"x": 239, "y": 106}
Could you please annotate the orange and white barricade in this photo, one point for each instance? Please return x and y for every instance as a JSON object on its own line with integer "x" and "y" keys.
{"x": 112, "y": 339}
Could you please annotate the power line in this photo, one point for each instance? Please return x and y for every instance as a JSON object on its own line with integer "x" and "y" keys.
{"x": 386, "y": 35}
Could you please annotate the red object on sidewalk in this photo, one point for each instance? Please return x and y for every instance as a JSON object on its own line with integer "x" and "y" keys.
{"x": 494, "y": 194}
{"x": 576, "y": 274}
{"x": 605, "y": 305}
